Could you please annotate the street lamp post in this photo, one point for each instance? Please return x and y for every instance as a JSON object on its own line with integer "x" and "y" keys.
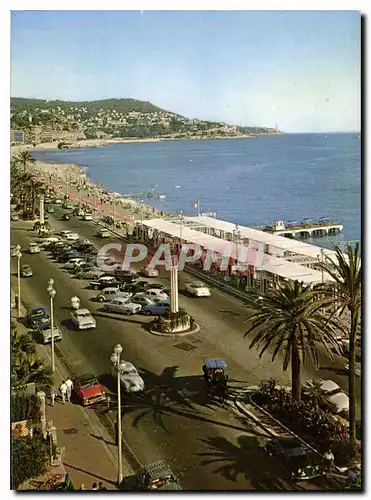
{"x": 141, "y": 219}
{"x": 181, "y": 220}
{"x": 322, "y": 270}
{"x": 237, "y": 236}
{"x": 115, "y": 359}
{"x": 19, "y": 256}
{"x": 52, "y": 293}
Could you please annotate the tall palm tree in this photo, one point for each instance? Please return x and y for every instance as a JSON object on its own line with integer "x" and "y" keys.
{"x": 24, "y": 158}
{"x": 290, "y": 320}
{"x": 345, "y": 270}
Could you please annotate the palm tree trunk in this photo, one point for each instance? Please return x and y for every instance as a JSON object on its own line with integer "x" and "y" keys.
{"x": 295, "y": 371}
{"x": 352, "y": 379}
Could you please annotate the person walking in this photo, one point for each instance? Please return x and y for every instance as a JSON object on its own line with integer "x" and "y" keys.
{"x": 53, "y": 393}
{"x": 63, "y": 389}
{"x": 328, "y": 459}
{"x": 69, "y": 385}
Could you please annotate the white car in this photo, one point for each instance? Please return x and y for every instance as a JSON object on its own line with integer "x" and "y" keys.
{"x": 334, "y": 395}
{"x": 107, "y": 294}
{"x": 89, "y": 274}
{"x": 72, "y": 236}
{"x": 50, "y": 239}
{"x": 139, "y": 298}
{"x": 33, "y": 248}
{"x": 58, "y": 202}
{"x": 122, "y": 305}
{"x": 83, "y": 319}
{"x": 65, "y": 232}
{"x": 103, "y": 233}
{"x": 197, "y": 289}
{"x": 72, "y": 263}
{"x": 87, "y": 217}
{"x": 149, "y": 272}
{"x": 46, "y": 335}
{"x": 155, "y": 295}
{"x": 129, "y": 377}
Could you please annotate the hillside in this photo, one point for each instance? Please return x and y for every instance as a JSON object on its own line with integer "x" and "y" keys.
{"x": 42, "y": 120}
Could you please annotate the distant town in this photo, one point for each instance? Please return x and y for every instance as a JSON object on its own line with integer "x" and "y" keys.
{"x": 35, "y": 121}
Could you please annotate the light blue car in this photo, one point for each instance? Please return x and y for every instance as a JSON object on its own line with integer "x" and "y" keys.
{"x": 157, "y": 309}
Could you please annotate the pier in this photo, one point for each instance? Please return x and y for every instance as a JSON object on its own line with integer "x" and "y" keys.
{"x": 304, "y": 230}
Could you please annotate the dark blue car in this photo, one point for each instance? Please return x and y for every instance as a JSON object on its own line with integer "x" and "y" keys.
{"x": 38, "y": 318}
{"x": 157, "y": 309}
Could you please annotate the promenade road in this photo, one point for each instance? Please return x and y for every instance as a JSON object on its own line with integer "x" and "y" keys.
{"x": 208, "y": 446}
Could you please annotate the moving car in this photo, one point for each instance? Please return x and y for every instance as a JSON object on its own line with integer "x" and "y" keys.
{"x": 197, "y": 289}
{"x": 64, "y": 232}
{"x": 87, "y": 217}
{"x": 157, "y": 476}
{"x": 104, "y": 282}
{"x": 37, "y": 316}
{"x": 45, "y": 335}
{"x": 34, "y": 248}
{"x": 301, "y": 462}
{"x": 26, "y": 271}
{"x": 157, "y": 309}
{"x": 129, "y": 377}
{"x": 149, "y": 272}
{"x": 102, "y": 233}
{"x": 50, "y": 209}
{"x": 122, "y": 305}
{"x": 333, "y": 394}
{"x": 112, "y": 292}
{"x": 83, "y": 319}
{"x": 88, "y": 389}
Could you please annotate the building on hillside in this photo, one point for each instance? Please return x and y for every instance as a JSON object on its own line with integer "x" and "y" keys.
{"x": 17, "y": 137}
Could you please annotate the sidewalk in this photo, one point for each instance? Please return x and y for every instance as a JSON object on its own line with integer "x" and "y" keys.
{"x": 90, "y": 455}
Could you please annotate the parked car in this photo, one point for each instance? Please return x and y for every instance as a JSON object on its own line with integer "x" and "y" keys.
{"x": 300, "y": 461}
{"x": 123, "y": 273}
{"x": 104, "y": 282}
{"x": 149, "y": 272}
{"x": 72, "y": 236}
{"x": 50, "y": 239}
{"x": 66, "y": 256}
{"x": 87, "y": 217}
{"x": 89, "y": 273}
{"x": 137, "y": 287}
{"x": 333, "y": 394}
{"x": 129, "y": 377}
{"x": 110, "y": 293}
{"x": 197, "y": 289}
{"x": 50, "y": 209}
{"x": 102, "y": 233}
{"x": 157, "y": 309}
{"x": 83, "y": 319}
{"x": 34, "y": 248}
{"x": 88, "y": 389}
{"x": 75, "y": 262}
{"x": 122, "y": 305}
{"x": 37, "y": 316}
{"x": 26, "y": 271}
{"x": 45, "y": 335}
{"x": 139, "y": 298}
{"x": 155, "y": 294}
{"x": 157, "y": 476}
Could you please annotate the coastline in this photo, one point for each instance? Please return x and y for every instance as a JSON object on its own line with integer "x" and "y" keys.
{"x": 98, "y": 143}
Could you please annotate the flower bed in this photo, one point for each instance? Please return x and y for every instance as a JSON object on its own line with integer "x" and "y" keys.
{"x": 316, "y": 426}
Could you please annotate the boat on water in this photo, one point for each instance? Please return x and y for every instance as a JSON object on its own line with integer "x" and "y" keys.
{"x": 161, "y": 196}
{"x": 306, "y": 228}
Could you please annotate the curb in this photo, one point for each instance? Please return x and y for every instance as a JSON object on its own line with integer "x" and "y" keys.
{"x": 242, "y": 408}
{"x": 174, "y": 335}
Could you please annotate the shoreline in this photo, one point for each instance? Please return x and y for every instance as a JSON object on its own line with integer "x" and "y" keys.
{"x": 99, "y": 143}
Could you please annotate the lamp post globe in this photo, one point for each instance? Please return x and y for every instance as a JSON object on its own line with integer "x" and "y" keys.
{"x": 117, "y": 349}
{"x": 114, "y": 358}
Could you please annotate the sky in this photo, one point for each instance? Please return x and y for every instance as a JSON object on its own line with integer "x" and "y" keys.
{"x": 299, "y": 70}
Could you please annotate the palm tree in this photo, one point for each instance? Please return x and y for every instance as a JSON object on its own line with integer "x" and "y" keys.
{"x": 345, "y": 270}
{"x": 290, "y": 319}
{"x": 30, "y": 368}
{"x": 315, "y": 392}
{"x": 24, "y": 158}
{"x": 21, "y": 343}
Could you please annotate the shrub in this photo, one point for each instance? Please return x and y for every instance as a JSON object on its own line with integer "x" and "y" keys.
{"x": 29, "y": 459}
{"x": 24, "y": 407}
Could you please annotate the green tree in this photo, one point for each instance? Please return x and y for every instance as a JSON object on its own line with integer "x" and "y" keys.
{"x": 21, "y": 343}
{"x": 30, "y": 368}
{"x": 345, "y": 270}
{"x": 25, "y": 158}
{"x": 29, "y": 459}
{"x": 315, "y": 392}
{"x": 290, "y": 320}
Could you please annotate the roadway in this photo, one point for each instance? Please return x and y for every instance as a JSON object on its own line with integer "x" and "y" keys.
{"x": 175, "y": 425}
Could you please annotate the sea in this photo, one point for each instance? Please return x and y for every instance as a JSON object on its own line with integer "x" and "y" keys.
{"x": 250, "y": 182}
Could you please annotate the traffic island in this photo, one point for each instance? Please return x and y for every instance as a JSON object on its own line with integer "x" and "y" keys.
{"x": 175, "y": 324}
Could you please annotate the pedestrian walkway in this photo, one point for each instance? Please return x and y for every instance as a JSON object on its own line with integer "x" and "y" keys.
{"x": 90, "y": 456}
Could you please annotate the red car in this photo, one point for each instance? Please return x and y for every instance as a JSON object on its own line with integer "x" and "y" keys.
{"x": 88, "y": 389}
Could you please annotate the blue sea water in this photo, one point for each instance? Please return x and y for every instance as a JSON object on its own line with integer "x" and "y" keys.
{"x": 251, "y": 182}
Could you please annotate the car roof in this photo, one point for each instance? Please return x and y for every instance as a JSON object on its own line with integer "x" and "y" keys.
{"x": 109, "y": 289}
{"x": 127, "y": 365}
{"x": 80, "y": 311}
{"x": 35, "y": 309}
{"x": 198, "y": 284}
{"x": 329, "y": 385}
{"x": 157, "y": 470}
{"x": 215, "y": 363}
{"x": 85, "y": 377}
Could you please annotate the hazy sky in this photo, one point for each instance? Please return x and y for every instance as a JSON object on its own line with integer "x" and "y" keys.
{"x": 299, "y": 70}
